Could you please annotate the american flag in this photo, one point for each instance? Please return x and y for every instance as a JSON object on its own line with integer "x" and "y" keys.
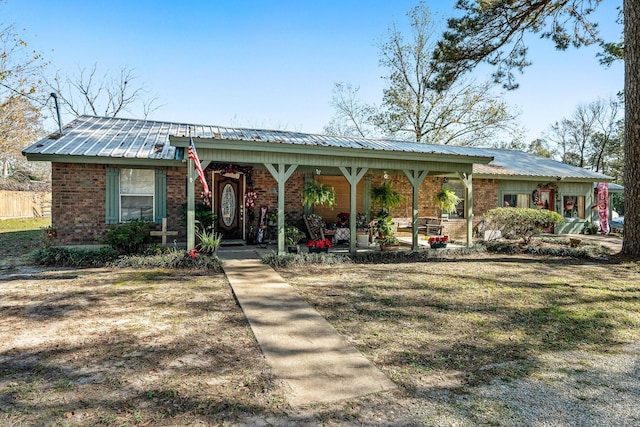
{"x": 193, "y": 155}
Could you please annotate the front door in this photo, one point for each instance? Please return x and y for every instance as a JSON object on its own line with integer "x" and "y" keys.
{"x": 228, "y": 207}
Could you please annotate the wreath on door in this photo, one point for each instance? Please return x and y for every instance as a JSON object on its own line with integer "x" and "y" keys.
{"x": 535, "y": 195}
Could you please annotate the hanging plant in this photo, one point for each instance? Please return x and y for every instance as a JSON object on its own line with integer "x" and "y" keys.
{"x": 385, "y": 196}
{"x": 316, "y": 193}
{"x": 446, "y": 200}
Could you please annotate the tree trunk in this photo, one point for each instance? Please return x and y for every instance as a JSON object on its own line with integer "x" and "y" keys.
{"x": 631, "y": 244}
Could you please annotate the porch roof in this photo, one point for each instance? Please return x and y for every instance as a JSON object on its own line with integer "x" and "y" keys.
{"x": 518, "y": 165}
{"x": 91, "y": 139}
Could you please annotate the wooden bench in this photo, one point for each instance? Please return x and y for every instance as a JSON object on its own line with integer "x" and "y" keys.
{"x": 434, "y": 226}
{"x": 430, "y": 226}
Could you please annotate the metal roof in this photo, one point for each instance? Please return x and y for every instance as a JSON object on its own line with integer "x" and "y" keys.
{"x": 512, "y": 163}
{"x": 145, "y": 139}
{"x": 114, "y": 137}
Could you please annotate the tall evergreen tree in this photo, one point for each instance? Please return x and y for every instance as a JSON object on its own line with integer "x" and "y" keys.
{"x": 493, "y": 31}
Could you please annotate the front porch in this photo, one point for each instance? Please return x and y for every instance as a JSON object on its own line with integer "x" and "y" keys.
{"x": 357, "y": 162}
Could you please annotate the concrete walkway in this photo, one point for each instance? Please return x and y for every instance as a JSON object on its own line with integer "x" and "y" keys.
{"x": 612, "y": 242}
{"x": 315, "y": 362}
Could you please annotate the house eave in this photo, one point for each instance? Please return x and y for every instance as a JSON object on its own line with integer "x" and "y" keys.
{"x": 316, "y": 151}
{"x": 57, "y": 158}
{"x": 541, "y": 178}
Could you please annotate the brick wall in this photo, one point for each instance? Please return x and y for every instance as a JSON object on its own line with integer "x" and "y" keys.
{"x": 78, "y": 202}
{"x": 263, "y": 183}
{"x": 176, "y": 197}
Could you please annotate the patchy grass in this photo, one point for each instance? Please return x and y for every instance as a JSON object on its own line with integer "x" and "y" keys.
{"x": 127, "y": 347}
{"x": 476, "y": 319}
{"x": 19, "y": 237}
{"x": 155, "y": 346}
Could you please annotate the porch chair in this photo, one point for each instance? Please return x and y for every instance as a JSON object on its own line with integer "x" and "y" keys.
{"x": 434, "y": 226}
{"x": 315, "y": 226}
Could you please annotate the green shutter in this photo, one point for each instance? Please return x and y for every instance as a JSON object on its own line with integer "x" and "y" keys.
{"x": 112, "y": 205}
{"x": 161, "y": 195}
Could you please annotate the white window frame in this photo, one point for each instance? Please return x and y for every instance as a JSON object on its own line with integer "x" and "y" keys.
{"x": 129, "y": 194}
{"x": 518, "y": 196}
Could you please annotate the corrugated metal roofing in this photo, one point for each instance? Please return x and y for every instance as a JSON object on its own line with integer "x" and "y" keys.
{"x": 145, "y": 139}
{"x": 520, "y": 164}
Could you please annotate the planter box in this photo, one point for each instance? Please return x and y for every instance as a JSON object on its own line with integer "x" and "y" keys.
{"x": 318, "y": 250}
{"x": 389, "y": 247}
{"x": 438, "y": 245}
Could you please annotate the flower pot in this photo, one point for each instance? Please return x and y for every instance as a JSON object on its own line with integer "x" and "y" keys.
{"x": 318, "y": 250}
{"x": 389, "y": 247}
{"x": 362, "y": 240}
{"x": 438, "y": 245}
{"x": 292, "y": 249}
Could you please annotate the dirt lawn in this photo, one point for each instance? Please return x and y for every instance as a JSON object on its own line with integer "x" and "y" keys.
{"x": 485, "y": 340}
{"x": 130, "y": 347}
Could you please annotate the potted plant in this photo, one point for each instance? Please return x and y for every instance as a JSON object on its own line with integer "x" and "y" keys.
{"x": 446, "y": 200}
{"x": 389, "y": 243}
{"x": 292, "y": 235}
{"x": 387, "y": 198}
{"x": 272, "y": 218}
{"x": 316, "y": 193}
{"x": 437, "y": 242}
{"x": 319, "y": 245}
{"x": 362, "y": 230}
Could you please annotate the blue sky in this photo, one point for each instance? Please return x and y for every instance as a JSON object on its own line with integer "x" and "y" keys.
{"x": 272, "y": 64}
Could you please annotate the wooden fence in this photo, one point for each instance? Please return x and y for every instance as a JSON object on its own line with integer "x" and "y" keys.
{"x": 24, "y": 204}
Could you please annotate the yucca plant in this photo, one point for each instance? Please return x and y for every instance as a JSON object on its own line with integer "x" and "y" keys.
{"x": 209, "y": 241}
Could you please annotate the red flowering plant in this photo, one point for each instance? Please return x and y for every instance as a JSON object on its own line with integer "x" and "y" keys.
{"x": 438, "y": 239}
{"x": 320, "y": 243}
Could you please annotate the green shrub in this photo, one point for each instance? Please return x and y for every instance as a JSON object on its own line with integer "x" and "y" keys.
{"x": 521, "y": 223}
{"x": 590, "y": 228}
{"x": 79, "y": 258}
{"x": 129, "y": 237}
{"x": 556, "y": 247}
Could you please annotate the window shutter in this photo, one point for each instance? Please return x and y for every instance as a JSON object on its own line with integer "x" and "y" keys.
{"x": 112, "y": 204}
{"x": 161, "y": 195}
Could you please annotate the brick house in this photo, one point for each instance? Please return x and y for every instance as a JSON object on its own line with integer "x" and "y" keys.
{"x": 108, "y": 170}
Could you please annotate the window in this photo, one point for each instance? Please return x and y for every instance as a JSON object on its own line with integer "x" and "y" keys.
{"x": 136, "y": 194}
{"x": 515, "y": 200}
{"x": 573, "y": 207}
{"x": 457, "y": 187}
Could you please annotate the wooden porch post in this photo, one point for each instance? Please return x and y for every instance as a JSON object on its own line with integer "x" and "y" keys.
{"x": 415, "y": 177}
{"x": 466, "y": 179}
{"x": 353, "y": 175}
{"x": 191, "y": 206}
{"x": 281, "y": 173}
